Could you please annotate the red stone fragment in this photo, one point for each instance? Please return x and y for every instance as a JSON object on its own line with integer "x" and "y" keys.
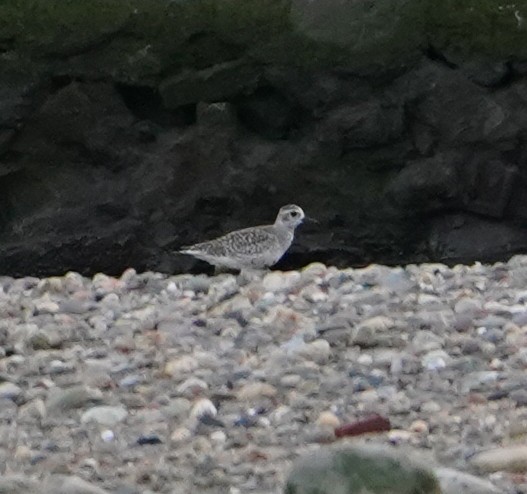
{"x": 373, "y": 423}
{"x": 477, "y": 399}
{"x": 257, "y": 455}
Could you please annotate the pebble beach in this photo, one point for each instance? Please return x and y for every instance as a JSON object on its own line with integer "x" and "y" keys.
{"x": 148, "y": 383}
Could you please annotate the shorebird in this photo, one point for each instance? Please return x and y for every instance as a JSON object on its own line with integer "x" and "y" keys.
{"x": 257, "y": 247}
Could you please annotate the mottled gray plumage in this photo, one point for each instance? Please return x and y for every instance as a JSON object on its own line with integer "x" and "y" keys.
{"x": 257, "y": 247}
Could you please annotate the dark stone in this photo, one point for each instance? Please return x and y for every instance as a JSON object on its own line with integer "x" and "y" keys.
{"x": 148, "y": 439}
{"x": 519, "y": 67}
{"x": 16, "y": 95}
{"x": 489, "y": 184}
{"x": 268, "y": 113}
{"x": 457, "y": 237}
{"x": 428, "y": 185}
{"x": 488, "y": 74}
{"x": 365, "y": 125}
{"x": 519, "y": 396}
{"x": 217, "y": 83}
{"x": 461, "y": 112}
{"x": 317, "y": 91}
{"x": 130, "y": 129}
{"x": 470, "y": 346}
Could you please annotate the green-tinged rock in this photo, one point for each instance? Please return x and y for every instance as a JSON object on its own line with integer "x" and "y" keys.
{"x": 60, "y": 400}
{"x": 378, "y": 32}
{"x": 40, "y": 341}
{"x": 134, "y": 40}
{"x": 143, "y": 41}
{"x": 359, "y": 470}
{"x": 485, "y": 27}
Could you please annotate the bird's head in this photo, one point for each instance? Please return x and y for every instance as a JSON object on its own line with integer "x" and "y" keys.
{"x": 290, "y": 216}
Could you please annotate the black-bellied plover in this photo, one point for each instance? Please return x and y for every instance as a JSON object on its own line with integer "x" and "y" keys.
{"x": 257, "y": 247}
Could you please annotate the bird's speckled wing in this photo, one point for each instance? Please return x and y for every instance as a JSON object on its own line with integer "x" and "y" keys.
{"x": 249, "y": 241}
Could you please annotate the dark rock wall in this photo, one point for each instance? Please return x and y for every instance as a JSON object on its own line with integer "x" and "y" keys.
{"x": 130, "y": 128}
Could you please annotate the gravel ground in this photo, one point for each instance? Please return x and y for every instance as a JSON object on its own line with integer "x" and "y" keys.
{"x": 148, "y": 383}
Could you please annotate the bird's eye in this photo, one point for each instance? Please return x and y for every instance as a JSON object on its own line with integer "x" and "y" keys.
{"x": 294, "y": 214}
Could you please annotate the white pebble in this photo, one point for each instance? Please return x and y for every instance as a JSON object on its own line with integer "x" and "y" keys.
{"x": 365, "y": 359}
{"x": 218, "y": 437}
{"x": 180, "y": 435}
{"x": 203, "y": 407}
{"x": 192, "y": 385}
{"x": 182, "y": 365}
{"x": 107, "y": 436}
{"x": 172, "y": 287}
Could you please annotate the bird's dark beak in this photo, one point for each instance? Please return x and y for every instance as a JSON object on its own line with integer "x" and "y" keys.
{"x": 310, "y": 219}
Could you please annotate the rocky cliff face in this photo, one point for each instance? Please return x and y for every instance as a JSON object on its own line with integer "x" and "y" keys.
{"x": 129, "y": 128}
